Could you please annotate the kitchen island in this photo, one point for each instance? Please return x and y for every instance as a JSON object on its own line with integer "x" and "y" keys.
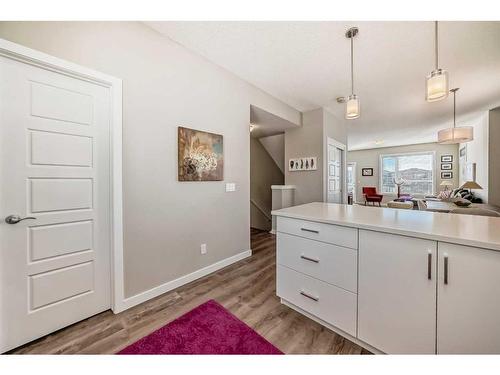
{"x": 393, "y": 281}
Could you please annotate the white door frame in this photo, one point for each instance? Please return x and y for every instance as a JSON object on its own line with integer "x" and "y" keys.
{"x": 35, "y": 58}
{"x": 355, "y": 180}
{"x": 343, "y": 147}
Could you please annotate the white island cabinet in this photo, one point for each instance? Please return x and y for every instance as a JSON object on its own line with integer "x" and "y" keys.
{"x": 397, "y": 293}
{"x": 468, "y": 304}
{"x": 393, "y": 281}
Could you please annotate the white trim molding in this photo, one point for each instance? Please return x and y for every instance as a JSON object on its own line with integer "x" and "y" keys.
{"x": 170, "y": 285}
{"x": 39, "y": 59}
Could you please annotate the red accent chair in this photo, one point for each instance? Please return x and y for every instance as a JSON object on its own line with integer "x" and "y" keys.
{"x": 371, "y": 195}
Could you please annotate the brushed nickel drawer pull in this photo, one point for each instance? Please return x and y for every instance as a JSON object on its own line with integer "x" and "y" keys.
{"x": 316, "y": 299}
{"x": 429, "y": 266}
{"x": 446, "y": 270}
{"x": 310, "y": 259}
{"x": 310, "y": 230}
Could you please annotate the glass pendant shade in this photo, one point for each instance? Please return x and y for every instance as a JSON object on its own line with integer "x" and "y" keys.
{"x": 459, "y": 134}
{"x": 437, "y": 85}
{"x": 352, "y": 108}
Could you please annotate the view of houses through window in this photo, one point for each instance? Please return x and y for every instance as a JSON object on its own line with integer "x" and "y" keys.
{"x": 417, "y": 171}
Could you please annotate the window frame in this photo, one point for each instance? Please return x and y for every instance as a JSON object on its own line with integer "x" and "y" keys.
{"x": 434, "y": 170}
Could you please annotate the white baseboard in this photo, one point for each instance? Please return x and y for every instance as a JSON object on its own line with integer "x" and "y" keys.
{"x": 168, "y": 286}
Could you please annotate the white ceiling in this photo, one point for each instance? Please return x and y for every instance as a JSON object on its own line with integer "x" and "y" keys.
{"x": 306, "y": 64}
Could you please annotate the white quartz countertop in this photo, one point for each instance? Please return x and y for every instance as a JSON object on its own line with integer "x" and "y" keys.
{"x": 470, "y": 230}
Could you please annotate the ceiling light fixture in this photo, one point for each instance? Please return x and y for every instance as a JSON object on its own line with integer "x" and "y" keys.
{"x": 437, "y": 81}
{"x": 352, "y": 106}
{"x": 455, "y": 135}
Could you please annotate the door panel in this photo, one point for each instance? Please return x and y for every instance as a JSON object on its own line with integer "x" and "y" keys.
{"x": 61, "y": 103}
{"x": 60, "y": 149}
{"x": 59, "y": 194}
{"x": 71, "y": 281}
{"x": 397, "y": 293}
{"x": 54, "y": 134}
{"x": 335, "y": 176}
{"x": 468, "y": 305}
{"x": 49, "y": 241}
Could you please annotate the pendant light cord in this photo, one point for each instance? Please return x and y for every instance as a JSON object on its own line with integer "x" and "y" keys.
{"x": 454, "y": 108}
{"x": 352, "y": 64}
{"x": 436, "y": 43}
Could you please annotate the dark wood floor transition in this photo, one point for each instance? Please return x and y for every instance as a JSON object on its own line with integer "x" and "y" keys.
{"x": 246, "y": 288}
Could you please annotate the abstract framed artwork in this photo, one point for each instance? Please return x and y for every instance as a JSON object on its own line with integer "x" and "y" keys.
{"x": 200, "y": 155}
{"x": 446, "y": 158}
{"x": 446, "y": 175}
{"x": 303, "y": 164}
{"x": 446, "y": 166}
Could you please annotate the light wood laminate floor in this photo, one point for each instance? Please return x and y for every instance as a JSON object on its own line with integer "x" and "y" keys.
{"x": 246, "y": 288}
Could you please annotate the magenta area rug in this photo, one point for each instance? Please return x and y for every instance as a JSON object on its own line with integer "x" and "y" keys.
{"x": 207, "y": 329}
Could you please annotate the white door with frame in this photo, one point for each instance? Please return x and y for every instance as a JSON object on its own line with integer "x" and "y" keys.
{"x": 55, "y": 242}
{"x": 351, "y": 180}
{"x": 335, "y": 172}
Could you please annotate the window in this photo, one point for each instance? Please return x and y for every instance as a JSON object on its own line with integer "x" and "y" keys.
{"x": 417, "y": 170}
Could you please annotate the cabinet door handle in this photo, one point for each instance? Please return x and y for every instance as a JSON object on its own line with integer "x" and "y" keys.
{"x": 310, "y": 230}
{"x": 429, "y": 266}
{"x": 446, "y": 270}
{"x": 310, "y": 259}
{"x": 316, "y": 299}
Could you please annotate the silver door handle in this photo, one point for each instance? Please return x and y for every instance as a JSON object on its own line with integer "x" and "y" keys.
{"x": 446, "y": 269}
{"x": 429, "y": 266}
{"x": 14, "y": 219}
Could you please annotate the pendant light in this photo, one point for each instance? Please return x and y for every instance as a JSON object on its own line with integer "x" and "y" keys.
{"x": 455, "y": 134}
{"x": 352, "y": 106}
{"x": 437, "y": 81}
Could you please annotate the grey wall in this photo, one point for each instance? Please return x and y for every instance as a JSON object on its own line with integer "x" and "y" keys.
{"x": 164, "y": 86}
{"x": 310, "y": 140}
{"x": 477, "y": 152}
{"x": 370, "y": 159}
{"x": 494, "y": 158}
{"x": 263, "y": 173}
{"x": 334, "y": 127}
{"x": 304, "y": 141}
{"x": 275, "y": 147}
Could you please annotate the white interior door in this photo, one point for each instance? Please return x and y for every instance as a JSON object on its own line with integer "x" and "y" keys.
{"x": 55, "y": 163}
{"x": 351, "y": 180}
{"x": 335, "y": 174}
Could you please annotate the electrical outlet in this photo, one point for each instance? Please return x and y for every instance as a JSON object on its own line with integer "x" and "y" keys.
{"x": 230, "y": 186}
{"x": 203, "y": 248}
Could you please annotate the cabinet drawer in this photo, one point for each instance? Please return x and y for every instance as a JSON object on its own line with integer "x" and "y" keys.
{"x": 331, "y": 263}
{"x": 327, "y": 302}
{"x": 334, "y": 234}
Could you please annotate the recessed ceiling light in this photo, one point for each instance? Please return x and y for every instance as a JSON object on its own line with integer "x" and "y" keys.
{"x": 379, "y": 141}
